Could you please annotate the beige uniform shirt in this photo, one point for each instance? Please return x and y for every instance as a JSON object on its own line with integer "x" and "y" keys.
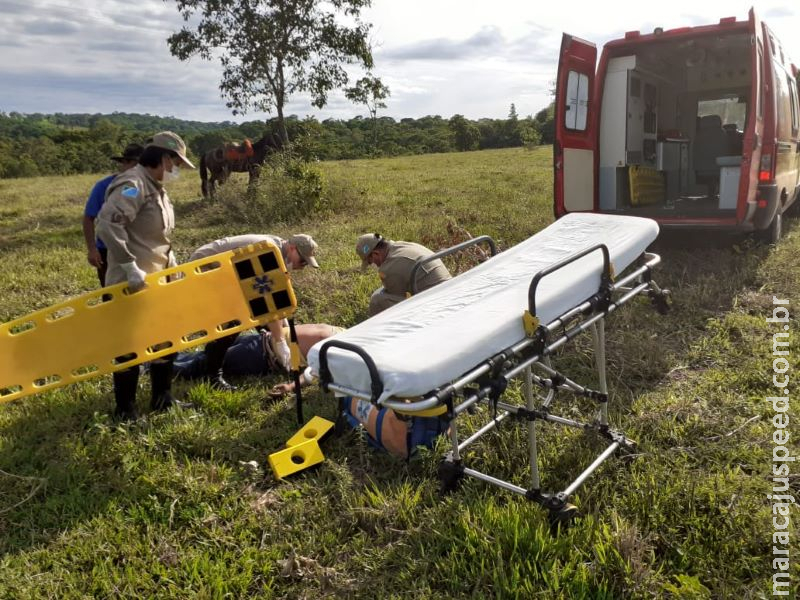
{"x": 135, "y": 223}
{"x": 395, "y": 272}
{"x": 233, "y": 242}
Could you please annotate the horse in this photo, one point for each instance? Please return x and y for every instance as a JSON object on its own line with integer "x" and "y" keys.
{"x": 246, "y": 157}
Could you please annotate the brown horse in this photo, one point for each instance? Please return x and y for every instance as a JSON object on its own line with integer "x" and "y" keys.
{"x": 243, "y": 158}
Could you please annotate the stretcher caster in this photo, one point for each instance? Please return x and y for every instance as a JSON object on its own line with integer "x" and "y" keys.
{"x": 563, "y": 517}
{"x": 450, "y": 476}
{"x": 659, "y": 301}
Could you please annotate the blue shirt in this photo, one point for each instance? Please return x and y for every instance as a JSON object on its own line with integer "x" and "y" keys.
{"x": 95, "y": 202}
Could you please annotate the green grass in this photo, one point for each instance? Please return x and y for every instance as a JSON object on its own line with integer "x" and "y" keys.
{"x": 170, "y": 507}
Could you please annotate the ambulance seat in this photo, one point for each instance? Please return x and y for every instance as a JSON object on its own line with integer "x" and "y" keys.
{"x": 710, "y": 142}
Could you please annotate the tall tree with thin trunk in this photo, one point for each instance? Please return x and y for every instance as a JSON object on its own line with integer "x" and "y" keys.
{"x": 371, "y": 92}
{"x": 270, "y": 50}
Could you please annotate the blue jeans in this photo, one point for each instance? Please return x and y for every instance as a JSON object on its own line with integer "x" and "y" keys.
{"x": 245, "y": 357}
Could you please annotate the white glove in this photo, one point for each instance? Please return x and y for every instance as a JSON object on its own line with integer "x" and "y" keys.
{"x": 135, "y": 276}
{"x": 171, "y": 261}
{"x": 283, "y": 353}
{"x": 306, "y": 377}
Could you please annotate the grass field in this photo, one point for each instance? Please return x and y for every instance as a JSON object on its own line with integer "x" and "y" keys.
{"x": 172, "y": 508}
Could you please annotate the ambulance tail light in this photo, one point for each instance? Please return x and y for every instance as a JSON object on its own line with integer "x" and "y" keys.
{"x": 761, "y": 201}
{"x": 765, "y": 169}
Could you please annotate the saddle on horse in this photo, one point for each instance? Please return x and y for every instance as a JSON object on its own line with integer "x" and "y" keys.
{"x": 241, "y": 151}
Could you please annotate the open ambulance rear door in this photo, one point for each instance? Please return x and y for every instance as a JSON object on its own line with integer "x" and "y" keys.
{"x": 575, "y": 148}
{"x": 760, "y": 99}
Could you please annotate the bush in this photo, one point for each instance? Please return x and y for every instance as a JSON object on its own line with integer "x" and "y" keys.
{"x": 288, "y": 190}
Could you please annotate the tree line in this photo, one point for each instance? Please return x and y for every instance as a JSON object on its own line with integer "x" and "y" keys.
{"x": 33, "y": 145}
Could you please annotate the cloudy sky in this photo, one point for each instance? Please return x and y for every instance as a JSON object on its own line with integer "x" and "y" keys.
{"x": 438, "y": 57}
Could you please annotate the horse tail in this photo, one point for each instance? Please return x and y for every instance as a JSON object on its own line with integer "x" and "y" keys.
{"x": 203, "y": 176}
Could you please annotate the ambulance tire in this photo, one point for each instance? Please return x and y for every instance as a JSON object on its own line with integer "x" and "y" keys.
{"x": 775, "y": 230}
{"x": 772, "y": 233}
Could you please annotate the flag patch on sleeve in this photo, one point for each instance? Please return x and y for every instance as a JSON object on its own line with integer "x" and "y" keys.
{"x": 129, "y": 191}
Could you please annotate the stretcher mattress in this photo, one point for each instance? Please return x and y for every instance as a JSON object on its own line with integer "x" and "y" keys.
{"x": 431, "y": 339}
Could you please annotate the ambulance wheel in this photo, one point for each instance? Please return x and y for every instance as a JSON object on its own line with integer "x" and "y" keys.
{"x": 773, "y": 233}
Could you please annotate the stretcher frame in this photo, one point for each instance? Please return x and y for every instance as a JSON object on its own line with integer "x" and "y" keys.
{"x": 490, "y": 379}
{"x": 481, "y": 239}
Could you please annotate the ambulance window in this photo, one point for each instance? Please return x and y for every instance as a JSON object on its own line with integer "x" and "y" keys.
{"x": 577, "y": 101}
{"x": 731, "y": 109}
{"x": 793, "y": 102}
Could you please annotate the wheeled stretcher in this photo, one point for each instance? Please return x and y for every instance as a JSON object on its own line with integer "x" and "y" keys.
{"x": 459, "y": 344}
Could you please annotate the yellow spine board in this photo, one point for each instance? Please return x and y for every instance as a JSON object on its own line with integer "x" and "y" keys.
{"x": 315, "y": 429}
{"x": 180, "y": 308}
{"x": 647, "y": 185}
{"x": 295, "y": 458}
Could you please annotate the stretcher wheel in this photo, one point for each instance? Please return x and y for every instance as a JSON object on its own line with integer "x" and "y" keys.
{"x": 450, "y": 476}
{"x": 562, "y": 517}
{"x": 659, "y": 301}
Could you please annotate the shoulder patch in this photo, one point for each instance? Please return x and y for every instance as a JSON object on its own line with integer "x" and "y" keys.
{"x": 129, "y": 191}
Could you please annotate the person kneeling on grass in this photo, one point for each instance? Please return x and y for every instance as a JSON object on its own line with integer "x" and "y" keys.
{"x": 395, "y": 262}
{"x": 297, "y": 252}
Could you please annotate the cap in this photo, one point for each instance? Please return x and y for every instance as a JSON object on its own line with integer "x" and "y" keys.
{"x": 131, "y": 152}
{"x": 366, "y": 244}
{"x": 306, "y": 248}
{"x": 171, "y": 141}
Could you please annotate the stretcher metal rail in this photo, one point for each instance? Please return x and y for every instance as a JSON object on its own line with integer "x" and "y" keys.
{"x": 529, "y": 359}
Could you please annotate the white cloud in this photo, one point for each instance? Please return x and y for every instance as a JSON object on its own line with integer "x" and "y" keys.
{"x": 437, "y": 57}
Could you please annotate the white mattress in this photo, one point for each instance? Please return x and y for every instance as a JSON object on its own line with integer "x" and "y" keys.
{"x": 434, "y": 337}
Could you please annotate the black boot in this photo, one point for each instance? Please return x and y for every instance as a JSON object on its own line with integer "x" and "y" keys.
{"x": 125, "y": 385}
{"x": 161, "y": 384}
{"x": 215, "y": 356}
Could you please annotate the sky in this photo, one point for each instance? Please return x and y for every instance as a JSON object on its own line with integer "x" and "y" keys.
{"x": 438, "y": 57}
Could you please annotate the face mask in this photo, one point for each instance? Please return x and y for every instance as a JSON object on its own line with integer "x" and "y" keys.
{"x": 170, "y": 176}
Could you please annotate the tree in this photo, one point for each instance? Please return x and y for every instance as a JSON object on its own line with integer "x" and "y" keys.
{"x": 545, "y": 120}
{"x": 467, "y": 135}
{"x": 370, "y": 92}
{"x": 272, "y": 49}
{"x": 511, "y": 131}
{"x": 512, "y": 113}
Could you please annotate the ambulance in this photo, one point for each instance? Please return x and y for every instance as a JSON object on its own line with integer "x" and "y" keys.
{"x": 695, "y": 127}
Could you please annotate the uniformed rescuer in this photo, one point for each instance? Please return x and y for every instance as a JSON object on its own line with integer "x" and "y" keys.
{"x": 395, "y": 261}
{"x": 135, "y": 223}
{"x": 297, "y": 252}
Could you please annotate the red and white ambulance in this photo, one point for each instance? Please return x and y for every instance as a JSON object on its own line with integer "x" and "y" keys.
{"x": 693, "y": 127}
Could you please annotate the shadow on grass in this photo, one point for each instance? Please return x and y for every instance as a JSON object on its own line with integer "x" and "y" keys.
{"x": 91, "y": 465}
{"x": 49, "y": 437}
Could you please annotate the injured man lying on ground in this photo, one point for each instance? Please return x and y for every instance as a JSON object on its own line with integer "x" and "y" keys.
{"x": 253, "y": 354}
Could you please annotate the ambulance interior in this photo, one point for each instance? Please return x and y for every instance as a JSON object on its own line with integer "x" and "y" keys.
{"x": 671, "y": 126}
